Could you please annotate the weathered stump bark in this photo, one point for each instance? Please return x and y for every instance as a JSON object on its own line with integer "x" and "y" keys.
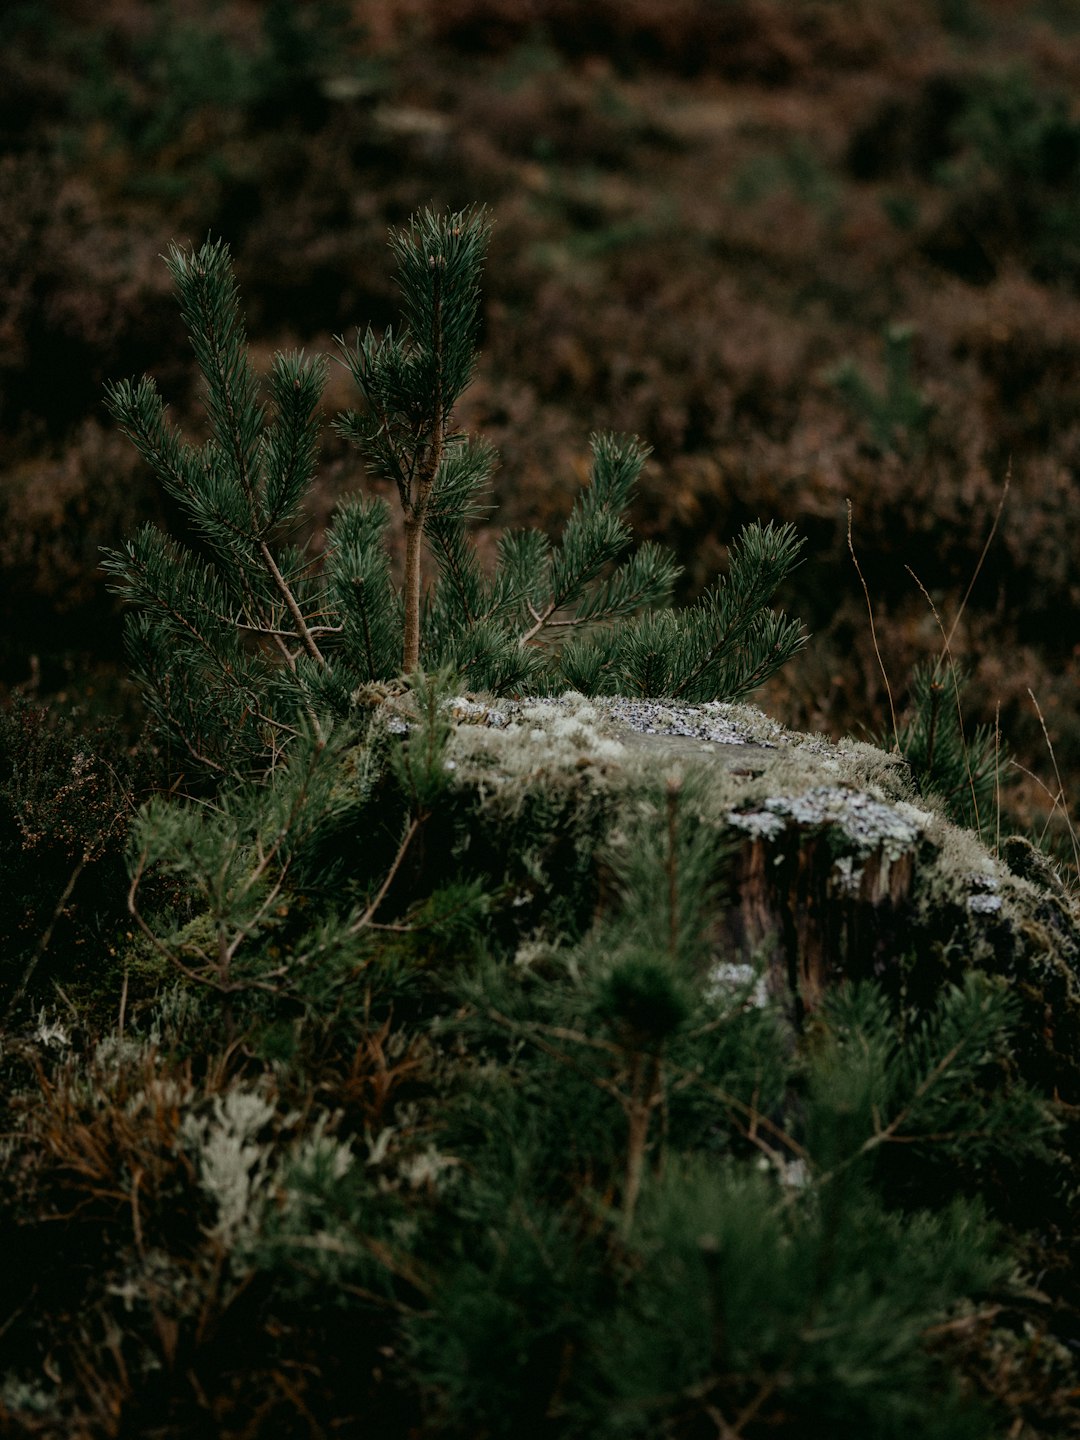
{"x": 813, "y": 923}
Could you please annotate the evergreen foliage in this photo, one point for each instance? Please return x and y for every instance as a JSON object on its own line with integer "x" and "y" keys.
{"x": 964, "y": 769}
{"x": 235, "y": 641}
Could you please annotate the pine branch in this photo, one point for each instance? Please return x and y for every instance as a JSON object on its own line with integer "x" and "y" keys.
{"x": 210, "y": 306}
{"x": 290, "y": 444}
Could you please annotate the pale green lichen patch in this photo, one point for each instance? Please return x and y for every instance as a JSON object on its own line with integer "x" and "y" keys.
{"x": 712, "y": 724}
{"x": 524, "y": 740}
{"x": 762, "y": 778}
{"x": 630, "y": 736}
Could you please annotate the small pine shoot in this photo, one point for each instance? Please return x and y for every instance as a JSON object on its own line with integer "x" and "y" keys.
{"x": 963, "y": 768}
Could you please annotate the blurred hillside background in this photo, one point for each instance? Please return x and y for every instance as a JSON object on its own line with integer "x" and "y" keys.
{"x": 808, "y": 250}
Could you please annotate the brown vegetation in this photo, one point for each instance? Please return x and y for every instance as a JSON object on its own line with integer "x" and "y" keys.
{"x": 710, "y": 219}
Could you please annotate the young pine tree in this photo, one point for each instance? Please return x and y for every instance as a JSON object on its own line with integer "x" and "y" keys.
{"x": 963, "y": 768}
{"x": 237, "y": 641}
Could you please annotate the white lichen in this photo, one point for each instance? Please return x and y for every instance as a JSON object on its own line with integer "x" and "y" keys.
{"x": 425, "y": 1169}
{"x": 984, "y": 904}
{"x": 985, "y": 898}
{"x": 234, "y": 1164}
{"x": 715, "y": 723}
{"x": 760, "y": 824}
{"x": 52, "y": 1034}
{"x": 727, "y": 980}
{"x": 867, "y": 823}
{"x": 847, "y": 874}
{"x": 28, "y": 1396}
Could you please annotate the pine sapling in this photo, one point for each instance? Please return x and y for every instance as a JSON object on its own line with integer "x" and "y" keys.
{"x": 247, "y": 640}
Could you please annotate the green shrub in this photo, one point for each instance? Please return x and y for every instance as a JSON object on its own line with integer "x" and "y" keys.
{"x": 483, "y": 1198}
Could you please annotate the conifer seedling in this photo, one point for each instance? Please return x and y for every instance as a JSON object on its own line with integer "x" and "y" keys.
{"x": 247, "y": 638}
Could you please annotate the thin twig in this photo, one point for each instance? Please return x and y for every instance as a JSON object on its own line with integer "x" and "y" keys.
{"x": 541, "y": 618}
{"x": 645, "y": 1094}
{"x": 372, "y": 909}
{"x": 873, "y": 629}
{"x": 927, "y": 1083}
{"x": 982, "y": 557}
{"x": 245, "y": 479}
{"x": 1055, "y": 800}
{"x": 1057, "y": 777}
{"x": 306, "y": 638}
{"x": 997, "y": 778}
{"x": 45, "y": 940}
{"x": 123, "y": 1002}
{"x": 285, "y": 634}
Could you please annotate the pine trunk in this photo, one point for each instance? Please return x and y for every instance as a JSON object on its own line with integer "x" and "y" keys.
{"x": 414, "y": 535}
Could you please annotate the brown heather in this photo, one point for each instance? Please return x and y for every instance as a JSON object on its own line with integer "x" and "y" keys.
{"x": 703, "y": 210}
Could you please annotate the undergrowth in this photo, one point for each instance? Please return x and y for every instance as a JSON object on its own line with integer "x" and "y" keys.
{"x": 420, "y": 1160}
